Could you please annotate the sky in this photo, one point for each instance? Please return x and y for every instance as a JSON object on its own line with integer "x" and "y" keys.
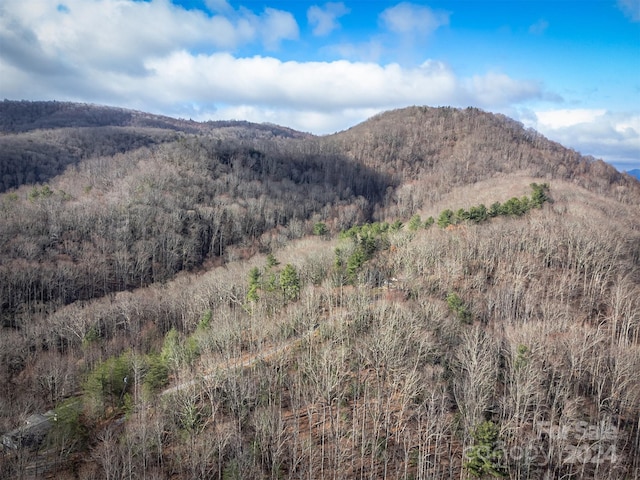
{"x": 567, "y": 68}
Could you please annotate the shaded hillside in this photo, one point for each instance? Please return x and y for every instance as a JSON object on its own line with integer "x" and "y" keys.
{"x": 39, "y": 140}
{"x": 432, "y": 294}
{"x": 24, "y": 116}
{"x": 37, "y": 156}
{"x": 113, "y": 223}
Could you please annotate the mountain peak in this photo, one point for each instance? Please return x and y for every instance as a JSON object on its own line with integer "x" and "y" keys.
{"x": 441, "y": 148}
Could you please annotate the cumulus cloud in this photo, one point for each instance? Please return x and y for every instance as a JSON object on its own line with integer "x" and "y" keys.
{"x": 22, "y": 48}
{"x": 100, "y": 51}
{"x": 276, "y": 26}
{"x": 325, "y": 18}
{"x": 110, "y": 34}
{"x": 323, "y": 86}
{"x": 411, "y": 19}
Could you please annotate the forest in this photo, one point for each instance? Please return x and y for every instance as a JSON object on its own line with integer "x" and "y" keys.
{"x": 433, "y": 293}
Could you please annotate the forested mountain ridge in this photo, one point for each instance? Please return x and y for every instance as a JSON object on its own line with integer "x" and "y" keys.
{"x": 39, "y": 140}
{"x": 440, "y": 148}
{"x": 433, "y": 293}
{"x": 23, "y": 116}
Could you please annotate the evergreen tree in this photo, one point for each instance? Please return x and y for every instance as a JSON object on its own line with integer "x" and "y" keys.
{"x": 446, "y": 218}
{"x": 539, "y": 195}
{"x": 457, "y": 306}
{"x": 478, "y": 214}
{"x": 254, "y": 284}
{"x": 494, "y": 210}
{"x": 290, "y": 283}
{"x": 485, "y": 456}
{"x": 415, "y": 223}
{"x": 320, "y": 229}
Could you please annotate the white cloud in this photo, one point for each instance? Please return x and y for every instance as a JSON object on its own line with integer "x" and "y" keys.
{"x": 110, "y": 33}
{"x": 497, "y": 90}
{"x": 321, "y": 86}
{"x": 277, "y": 25}
{"x": 302, "y": 120}
{"x": 411, "y": 19}
{"x": 555, "y": 119}
{"x": 325, "y": 18}
{"x": 118, "y": 35}
{"x": 99, "y": 50}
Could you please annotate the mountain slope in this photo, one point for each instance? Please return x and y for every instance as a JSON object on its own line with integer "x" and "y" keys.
{"x": 251, "y": 302}
{"x": 39, "y": 140}
{"x": 436, "y": 149}
{"x": 168, "y": 201}
{"x": 24, "y": 116}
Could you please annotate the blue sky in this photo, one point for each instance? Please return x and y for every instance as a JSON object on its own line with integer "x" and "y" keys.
{"x": 568, "y": 68}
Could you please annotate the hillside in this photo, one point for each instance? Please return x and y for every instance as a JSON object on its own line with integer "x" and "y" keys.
{"x": 39, "y": 140}
{"x": 434, "y": 293}
{"x": 429, "y": 151}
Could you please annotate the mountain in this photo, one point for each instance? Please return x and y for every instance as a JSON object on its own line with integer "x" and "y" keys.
{"x": 41, "y": 139}
{"x": 458, "y": 147}
{"x": 26, "y": 116}
{"x": 635, "y": 172}
{"x": 432, "y": 293}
